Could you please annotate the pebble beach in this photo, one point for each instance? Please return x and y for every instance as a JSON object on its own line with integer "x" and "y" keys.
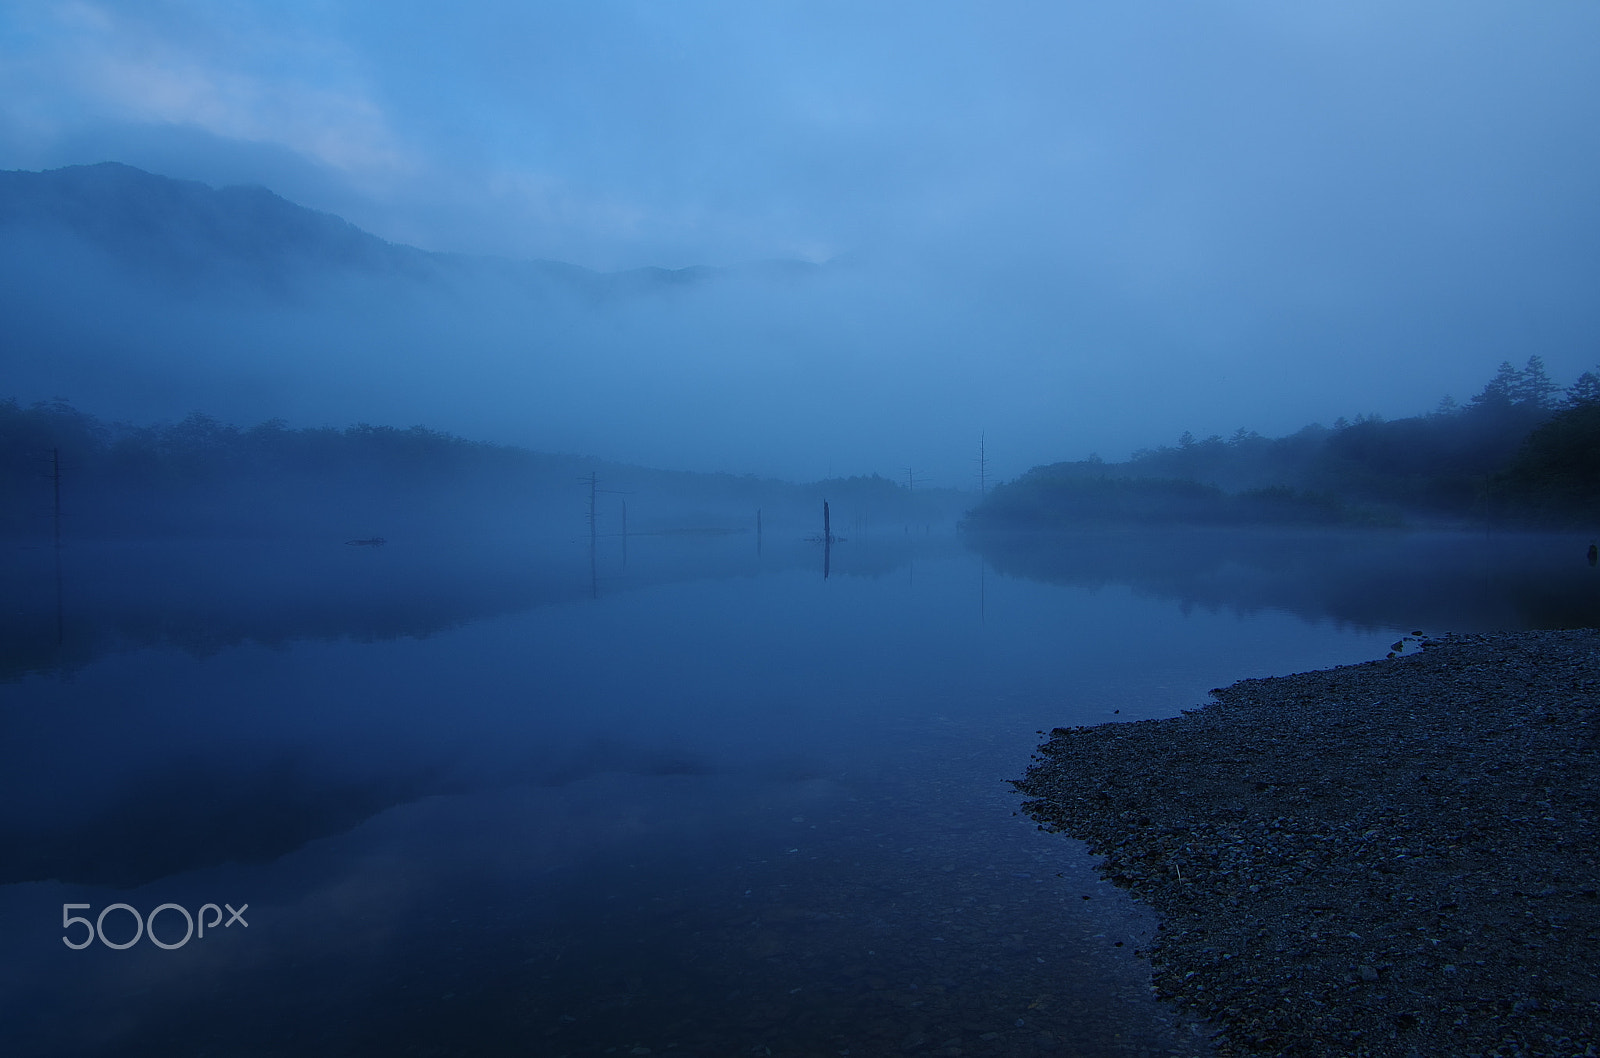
{"x": 1391, "y": 858}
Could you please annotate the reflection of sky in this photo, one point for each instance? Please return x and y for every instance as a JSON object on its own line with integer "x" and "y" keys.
{"x": 519, "y": 677}
{"x": 864, "y": 719}
{"x": 717, "y": 738}
{"x": 781, "y": 674}
{"x": 729, "y": 674}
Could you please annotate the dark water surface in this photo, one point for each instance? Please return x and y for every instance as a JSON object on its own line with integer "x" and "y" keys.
{"x": 493, "y": 800}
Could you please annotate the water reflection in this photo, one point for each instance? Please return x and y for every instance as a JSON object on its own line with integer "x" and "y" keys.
{"x": 724, "y": 807}
{"x": 69, "y": 607}
{"x": 1436, "y": 581}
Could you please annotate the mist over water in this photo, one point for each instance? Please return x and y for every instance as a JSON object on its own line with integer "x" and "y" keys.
{"x": 561, "y": 726}
{"x": 789, "y": 370}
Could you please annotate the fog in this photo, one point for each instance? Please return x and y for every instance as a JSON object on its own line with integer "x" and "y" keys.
{"x": 573, "y": 516}
{"x": 1068, "y": 231}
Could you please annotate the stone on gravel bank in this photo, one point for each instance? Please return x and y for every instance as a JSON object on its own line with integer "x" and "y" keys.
{"x": 1394, "y": 858}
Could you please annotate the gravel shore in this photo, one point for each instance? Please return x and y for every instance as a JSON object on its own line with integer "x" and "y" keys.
{"x": 1393, "y": 858}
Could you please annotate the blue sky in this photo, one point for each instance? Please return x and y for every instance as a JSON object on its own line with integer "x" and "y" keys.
{"x": 1288, "y": 211}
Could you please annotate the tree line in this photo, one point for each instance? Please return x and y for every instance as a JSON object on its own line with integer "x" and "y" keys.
{"x": 202, "y": 476}
{"x": 1521, "y": 452}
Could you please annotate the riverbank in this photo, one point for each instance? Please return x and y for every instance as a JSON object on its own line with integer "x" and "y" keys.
{"x": 1393, "y": 858}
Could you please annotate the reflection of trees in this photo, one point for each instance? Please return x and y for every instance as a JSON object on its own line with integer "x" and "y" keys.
{"x": 1433, "y": 581}
{"x": 202, "y": 598}
{"x": 205, "y": 598}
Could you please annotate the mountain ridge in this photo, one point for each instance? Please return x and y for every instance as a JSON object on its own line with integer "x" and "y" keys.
{"x": 189, "y": 230}
{"x": 148, "y": 297}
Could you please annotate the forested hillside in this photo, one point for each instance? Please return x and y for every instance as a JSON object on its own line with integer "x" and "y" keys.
{"x": 203, "y": 477}
{"x": 1522, "y": 451}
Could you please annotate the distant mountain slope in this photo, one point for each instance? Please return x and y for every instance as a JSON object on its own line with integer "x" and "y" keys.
{"x": 189, "y": 231}
{"x": 147, "y": 297}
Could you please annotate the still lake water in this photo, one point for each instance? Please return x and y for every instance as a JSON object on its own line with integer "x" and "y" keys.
{"x": 689, "y": 800}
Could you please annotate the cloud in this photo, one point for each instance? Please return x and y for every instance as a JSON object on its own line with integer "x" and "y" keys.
{"x": 338, "y": 129}
{"x": 1152, "y": 209}
{"x": 161, "y": 65}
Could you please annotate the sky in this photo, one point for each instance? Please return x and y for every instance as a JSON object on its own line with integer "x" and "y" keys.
{"x": 1088, "y": 226}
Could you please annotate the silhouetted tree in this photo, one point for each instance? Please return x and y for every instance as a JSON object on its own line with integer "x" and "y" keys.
{"x": 1556, "y": 474}
{"x": 1586, "y": 390}
{"x": 1500, "y": 391}
{"x": 1533, "y": 386}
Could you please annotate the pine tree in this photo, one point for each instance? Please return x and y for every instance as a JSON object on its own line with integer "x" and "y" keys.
{"x": 1533, "y": 386}
{"x": 1501, "y": 390}
{"x": 1586, "y": 390}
